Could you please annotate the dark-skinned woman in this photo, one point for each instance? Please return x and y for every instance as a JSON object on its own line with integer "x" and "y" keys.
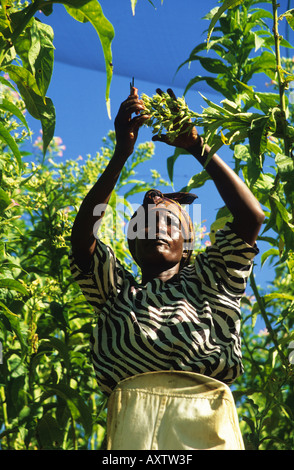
{"x": 165, "y": 350}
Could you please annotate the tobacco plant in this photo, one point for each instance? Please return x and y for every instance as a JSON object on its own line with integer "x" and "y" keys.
{"x": 27, "y": 56}
{"x": 49, "y": 397}
{"x": 244, "y": 44}
{"x": 48, "y": 394}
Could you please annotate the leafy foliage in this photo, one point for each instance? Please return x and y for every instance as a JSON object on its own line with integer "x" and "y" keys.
{"x": 257, "y": 125}
{"x": 48, "y": 394}
{"x": 242, "y": 42}
{"x": 27, "y": 55}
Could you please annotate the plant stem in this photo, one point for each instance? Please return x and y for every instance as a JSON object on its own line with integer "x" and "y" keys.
{"x": 279, "y": 75}
{"x": 5, "y": 414}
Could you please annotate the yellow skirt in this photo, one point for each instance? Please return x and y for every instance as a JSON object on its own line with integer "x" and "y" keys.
{"x": 172, "y": 411}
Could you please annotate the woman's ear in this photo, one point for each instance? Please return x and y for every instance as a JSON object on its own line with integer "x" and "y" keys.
{"x": 185, "y": 254}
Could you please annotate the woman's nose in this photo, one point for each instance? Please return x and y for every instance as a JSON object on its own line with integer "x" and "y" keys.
{"x": 157, "y": 225}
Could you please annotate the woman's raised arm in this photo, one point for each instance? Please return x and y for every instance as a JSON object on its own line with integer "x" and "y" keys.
{"x": 126, "y": 127}
{"x": 246, "y": 210}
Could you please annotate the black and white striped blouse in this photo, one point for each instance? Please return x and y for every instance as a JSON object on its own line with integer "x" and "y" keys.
{"x": 191, "y": 323}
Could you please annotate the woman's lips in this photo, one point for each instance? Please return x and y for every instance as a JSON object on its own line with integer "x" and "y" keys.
{"x": 157, "y": 241}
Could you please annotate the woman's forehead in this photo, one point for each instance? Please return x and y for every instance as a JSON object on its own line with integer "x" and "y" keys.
{"x": 163, "y": 211}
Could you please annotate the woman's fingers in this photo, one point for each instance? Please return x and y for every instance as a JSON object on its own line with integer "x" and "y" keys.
{"x": 171, "y": 93}
{"x": 138, "y": 121}
{"x": 128, "y": 108}
{"x": 161, "y": 138}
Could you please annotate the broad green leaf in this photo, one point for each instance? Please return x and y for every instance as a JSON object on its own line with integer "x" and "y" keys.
{"x": 13, "y": 284}
{"x": 22, "y": 43}
{"x": 39, "y": 107}
{"x": 92, "y": 12}
{"x": 27, "y": 86}
{"x": 78, "y": 407}
{"x": 57, "y": 310}
{"x": 49, "y": 433}
{"x": 212, "y": 65}
{"x": 48, "y": 119}
{"x": 47, "y": 8}
{"x": 41, "y": 54}
{"x": 264, "y": 63}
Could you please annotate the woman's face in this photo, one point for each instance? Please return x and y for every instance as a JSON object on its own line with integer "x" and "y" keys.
{"x": 159, "y": 240}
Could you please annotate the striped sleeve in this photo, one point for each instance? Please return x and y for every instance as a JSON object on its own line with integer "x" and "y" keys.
{"x": 226, "y": 265}
{"x": 103, "y": 279}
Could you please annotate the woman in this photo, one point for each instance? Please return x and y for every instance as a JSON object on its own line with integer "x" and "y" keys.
{"x": 165, "y": 349}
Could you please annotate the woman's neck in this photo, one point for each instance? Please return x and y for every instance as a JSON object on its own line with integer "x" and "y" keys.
{"x": 164, "y": 275}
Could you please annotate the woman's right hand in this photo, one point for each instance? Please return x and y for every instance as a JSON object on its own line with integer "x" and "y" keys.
{"x": 126, "y": 126}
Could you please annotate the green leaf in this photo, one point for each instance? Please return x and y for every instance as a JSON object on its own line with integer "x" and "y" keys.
{"x": 268, "y": 253}
{"x": 41, "y": 54}
{"x": 49, "y": 433}
{"x": 219, "y": 86}
{"x": 197, "y": 181}
{"x": 212, "y": 65}
{"x": 277, "y": 295}
{"x": 289, "y": 15}
{"x": 47, "y": 8}
{"x": 7, "y": 105}
{"x": 39, "y": 107}
{"x": 12, "y": 284}
{"x": 9, "y": 140}
{"x": 78, "y": 408}
{"x": 133, "y": 5}
{"x": 7, "y": 83}
{"x": 15, "y": 326}
{"x": 56, "y": 343}
{"x": 225, "y": 6}
{"x": 218, "y": 224}
{"x": 285, "y": 166}
{"x": 92, "y": 12}
{"x": 171, "y": 161}
{"x": 241, "y": 152}
{"x": 286, "y": 216}
{"x": 5, "y": 200}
